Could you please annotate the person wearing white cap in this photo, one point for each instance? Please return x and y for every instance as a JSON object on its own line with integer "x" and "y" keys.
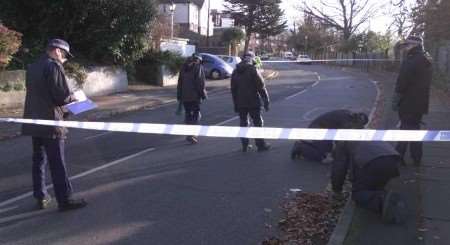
{"x": 412, "y": 94}
{"x": 47, "y": 93}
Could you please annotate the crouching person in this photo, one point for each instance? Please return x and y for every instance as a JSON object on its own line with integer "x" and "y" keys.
{"x": 319, "y": 150}
{"x": 371, "y": 165}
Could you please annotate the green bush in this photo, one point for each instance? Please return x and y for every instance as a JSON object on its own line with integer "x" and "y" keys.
{"x": 76, "y": 72}
{"x": 103, "y": 31}
{"x": 10, "y": 42}
{"x": 19, "y": 86}
{"x": 148, "y": 68}
{"x": 7, "y": 87}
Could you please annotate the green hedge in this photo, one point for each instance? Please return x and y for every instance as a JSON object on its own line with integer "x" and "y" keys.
{"x": 148, "y": 69}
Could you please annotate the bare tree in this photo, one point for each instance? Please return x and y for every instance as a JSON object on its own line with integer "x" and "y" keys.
{"x": 402, "y": 22}
{"x": 345, "y": 16}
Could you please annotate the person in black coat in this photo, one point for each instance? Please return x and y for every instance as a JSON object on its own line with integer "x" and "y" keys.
{"x": 337, "y": 119}
{"x": 248, "y": 90}
{"x": 412, "y": 94}
{"x": 191, "y": 91}
{"x": 371, "y": 166}
{"x": 47, "y": 94}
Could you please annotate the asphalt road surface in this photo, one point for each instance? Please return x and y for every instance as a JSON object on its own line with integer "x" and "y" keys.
{"x": 157, "y": 189}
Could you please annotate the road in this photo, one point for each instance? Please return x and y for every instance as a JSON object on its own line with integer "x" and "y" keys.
{"x": 157, "y": 189}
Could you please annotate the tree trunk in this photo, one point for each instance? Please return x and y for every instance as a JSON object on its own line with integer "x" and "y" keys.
{"x": 247, "y": 41}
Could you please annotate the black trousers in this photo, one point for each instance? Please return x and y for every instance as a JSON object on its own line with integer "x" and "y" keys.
{"x": 370, "y": 181}
{"x": 255, "y": 115}
{"x": 191, "y": 112}
{"x": 410, "y": 121}
{"x": 50, "y": 152}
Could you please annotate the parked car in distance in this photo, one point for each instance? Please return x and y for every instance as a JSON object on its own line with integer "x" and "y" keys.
{"x": 304, "y": 59}
{"x": 288, "y": 55}
{"x": 231, "y": 60}
{"x": 215, "y": 67}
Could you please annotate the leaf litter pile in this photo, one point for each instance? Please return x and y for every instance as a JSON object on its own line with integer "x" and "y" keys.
{"x": 309, "y": 219}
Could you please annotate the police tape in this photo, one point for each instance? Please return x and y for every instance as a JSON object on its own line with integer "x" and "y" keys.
{"x": 248, "y": 132}
{"x": 327, "y": 60}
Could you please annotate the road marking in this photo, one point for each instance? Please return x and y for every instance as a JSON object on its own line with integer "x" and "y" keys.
{"x": 113, "y": 163}
{"x": 296, "y": 94}
{"x": 97, "y": 136}
{"x": 24, "y": 215}
{"x": 227, "y": 121}
{"x": 8, "y": 209}
{"x": 303, "y": 91}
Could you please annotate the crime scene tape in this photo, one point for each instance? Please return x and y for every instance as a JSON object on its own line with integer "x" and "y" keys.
{"x": 248, "y": 132}
{"x": 324, "y": 60}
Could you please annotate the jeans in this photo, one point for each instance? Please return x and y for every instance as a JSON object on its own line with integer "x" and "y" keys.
{"x": 192, "y": 112}
{"x": 370, "y": 181}
{"x": 255, "y": 115}
{"x": 50, "y": 151}
{"x": 410, "y": 122}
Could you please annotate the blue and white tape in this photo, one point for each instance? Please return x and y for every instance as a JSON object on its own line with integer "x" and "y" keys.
{"x": 327, "y": 60}
{"x": 249, "y": 132}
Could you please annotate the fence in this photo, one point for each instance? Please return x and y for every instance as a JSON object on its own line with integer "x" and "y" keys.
{"x": 364, "y": 61}
{"x": 441, "y": 63}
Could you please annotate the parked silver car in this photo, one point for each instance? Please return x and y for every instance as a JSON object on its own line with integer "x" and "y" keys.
{"x": 231, "y": 60}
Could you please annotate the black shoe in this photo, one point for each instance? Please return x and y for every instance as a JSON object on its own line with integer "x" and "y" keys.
{"x": 44, "y": 203}
{"x": 192, "y": 139}
{"x": 417, "y": 162}
{"x": 72, "y": 204}
{"x": 246, "y": 148}
{"x": 263, "y": 148}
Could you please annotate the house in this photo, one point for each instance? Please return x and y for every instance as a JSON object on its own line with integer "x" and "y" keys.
{"x": 191, "y": 18}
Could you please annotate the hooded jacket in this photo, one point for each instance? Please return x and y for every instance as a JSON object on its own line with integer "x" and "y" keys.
{"x": 414, "y": 81}
{"x": 191, "y": 83}
{"x": 47, "y": 93}
{"x": 247, "y": 87}
{"x": 355, "y": 155}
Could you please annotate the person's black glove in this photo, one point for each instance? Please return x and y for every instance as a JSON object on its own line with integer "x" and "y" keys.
{"x": 204, "y": 97}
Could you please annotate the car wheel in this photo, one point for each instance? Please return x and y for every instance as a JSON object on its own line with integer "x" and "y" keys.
{"x": 215, "y": 74}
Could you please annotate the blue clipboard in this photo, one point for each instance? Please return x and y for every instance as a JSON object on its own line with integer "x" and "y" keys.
{"x": 81, "y": 106}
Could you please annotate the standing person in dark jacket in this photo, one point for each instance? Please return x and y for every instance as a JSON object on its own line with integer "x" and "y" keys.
{"x": 248, "y": 89}
{"x": 372, "y": 165}
{"x": 191, "y": 91}
{"x": 47, "y": 93}
{"x": 337, "y": 119}
{"x": 412, "y": 94}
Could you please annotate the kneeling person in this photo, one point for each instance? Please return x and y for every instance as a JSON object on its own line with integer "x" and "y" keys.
{"x": 337, "y": 119}
{"x": 372, "y": 165}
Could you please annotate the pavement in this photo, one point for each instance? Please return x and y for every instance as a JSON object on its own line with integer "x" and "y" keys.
{"x": 425, "y": 188}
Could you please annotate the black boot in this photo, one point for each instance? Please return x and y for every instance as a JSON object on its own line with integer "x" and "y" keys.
{"x": 72, "y": 204}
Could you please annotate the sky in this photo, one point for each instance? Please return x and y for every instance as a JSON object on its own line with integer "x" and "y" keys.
{"x": 378, "y": 24}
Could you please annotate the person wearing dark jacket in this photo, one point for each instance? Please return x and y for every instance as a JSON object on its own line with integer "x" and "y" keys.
{"x": 191, "y": 91}
{"x": 412, "y": 93}
{"x": 47, "y": 93}
{"x": 371, "y": 165}
{"x": 337, "y": 119}
{"x": 248, "y": 89}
